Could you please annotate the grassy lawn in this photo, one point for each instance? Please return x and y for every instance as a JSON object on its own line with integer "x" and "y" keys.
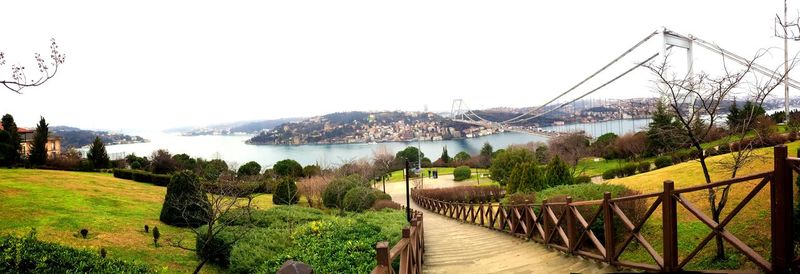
{"x": 398, "y": 175}
{"x": 596, "y": 166}
{"x": 58, "y": 204}
{"x": 751, "y": 225}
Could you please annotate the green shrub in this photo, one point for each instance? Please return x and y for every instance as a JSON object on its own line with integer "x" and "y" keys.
{"x": 628, "y": 170}
{"x": 123, "y": 173}
{"x": 186, "y": 203}
{"x": 711, "y": 151}
{"x": 582, "y": 192}
{"x": 258, "y": 246}
{"x": 520, "y": 198}
{"x": 249, "y": 169}
{"x": 559, "y": 173}
{"x": 142, "y": 176}
{"x": 663, "y": 161}
{"x": 461, "y": 173}
{"x": 526, "y": 177}
{"x": 643, "y": 167}
{"x": 29, "y": 255}
{"x": 160, "y": 179}
{"x": 583, "y": 180}
{"x": 725, "y": 148}
{"x": 280, "y": 216}
{"x": 334, "y": 193}
{"x": 379, "y": 195}
{"x": 610, "y": 173}
{"x": 285, "y": 192}
{"x": 340, "y": 245}
{"x": 218, "y": 249}
{"x": 358, "y": 199}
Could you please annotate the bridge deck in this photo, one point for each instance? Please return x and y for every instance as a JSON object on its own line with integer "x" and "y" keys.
{"x": 455, "y": 247}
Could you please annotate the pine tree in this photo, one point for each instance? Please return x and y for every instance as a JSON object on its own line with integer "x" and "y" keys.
{"x": 38, "y": 154}
{"x": 97, "y": 154}
{"x": 445, "y": 157}
{"x": 733, "y": 116}
{"x": 661, "y": 132}
{"x": 12, "y": 144}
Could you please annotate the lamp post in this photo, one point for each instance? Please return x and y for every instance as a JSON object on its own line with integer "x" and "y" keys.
{"x": 408, "y": 191}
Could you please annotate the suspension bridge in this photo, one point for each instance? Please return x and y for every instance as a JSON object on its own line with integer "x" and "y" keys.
{"x": 577, "y": 110}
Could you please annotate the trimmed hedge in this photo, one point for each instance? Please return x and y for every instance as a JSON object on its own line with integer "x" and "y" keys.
{"x": 610, "y": 174}
{"x": 643, "y": 167}
{"x": 142, "y": 176}
{"x": 185, "y": 203}
{"x": 663, "y": 161}
{"x": 29, "y": 255}
{"x": 358, "y": 199}
{"x": 461, "y": 173}
{"x": 628, "y": 170}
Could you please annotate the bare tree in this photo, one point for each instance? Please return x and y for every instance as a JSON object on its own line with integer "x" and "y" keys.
{"x": 569, "y": 147}
{"x": 47, "y": 70}
{"x": 313, "y": 187}
{"x": 229, "y": 201}
{"x": 631, "y": 144}
{"x": 695, "y": 102}
{"x": 383, "y": 159}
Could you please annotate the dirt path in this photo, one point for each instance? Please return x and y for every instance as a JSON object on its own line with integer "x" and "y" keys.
{"x": 455, "y": 247}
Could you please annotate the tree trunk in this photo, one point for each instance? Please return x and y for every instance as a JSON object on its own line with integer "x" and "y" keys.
{"x": 718, "y": 238}
{"x": 200, "y": 266}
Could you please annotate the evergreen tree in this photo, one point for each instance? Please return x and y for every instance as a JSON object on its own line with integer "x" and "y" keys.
{"x": 4, "y": 148}
{"x": 733, "y": 116}
{"x": 97, "y": 154}
{"x": 661, "y": 134}
{"x": 38, "y": 154}
{"x": 13, "y": 147}
{"x": 486, "y": 150}
{"x": 445, "y": 158}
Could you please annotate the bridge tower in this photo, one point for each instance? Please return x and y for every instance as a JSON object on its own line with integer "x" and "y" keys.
{"x": 456, "y": 109}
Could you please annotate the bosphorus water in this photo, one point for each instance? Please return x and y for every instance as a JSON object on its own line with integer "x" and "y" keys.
{"x": 232, "y": 149}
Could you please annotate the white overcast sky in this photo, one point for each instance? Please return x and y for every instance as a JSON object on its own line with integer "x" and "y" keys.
{"x": 163, "y": 64}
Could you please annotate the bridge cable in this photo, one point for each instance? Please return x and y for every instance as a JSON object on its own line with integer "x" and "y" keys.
{"x": 513, "y": 120}
{"x": 595, "y": 89}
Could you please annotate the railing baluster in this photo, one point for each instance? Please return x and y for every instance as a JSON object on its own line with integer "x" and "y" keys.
{"x": 571, "y": 234}
{"x": 382, "y": 255}
{"x": 670, "y": 227}
{"x": 781, "y": 211}
{"x": 546, "y": 222}
{"x": 608, "y": 229}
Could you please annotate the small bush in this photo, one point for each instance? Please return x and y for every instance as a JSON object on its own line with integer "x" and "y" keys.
{"x": 156, "y": 236}
{"x": 628, "y": 170}
{"x": 462, "y": 173}
{"x": 220, "y": 246}
{"x": 185, "y": 203}
{"x": 285, "y": 192}
{"x": 520, "y": 199}
{"x": 160, "y": 180}
{"x": 711, "y": 152}
{"x": 334, "y": 193}
{"x": 473, "y": 194}
{"x": 146, "y": 229}
{"x": 358, "y": 199}
{"x": 663, "y": 161}
{"x": 381, "y": 204}
{"x": 643, "y": 167}
{"x": 610, "y": 174}
{"x": 29, "y": 255}
{"x": 723, "y": 149}
{"x": 583, "y": 180}
{"x": 379, "y": 195}
{"x": 84, "y": 233}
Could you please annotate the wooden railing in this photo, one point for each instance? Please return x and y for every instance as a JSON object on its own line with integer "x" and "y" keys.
{"x": 562, "y": 226}
{"x": 410, "y": 250}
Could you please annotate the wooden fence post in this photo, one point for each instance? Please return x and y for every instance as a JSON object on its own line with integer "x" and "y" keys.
{"x": 382, "y": 250}
{"x": 670, "y": 227}
{"x": 571, "y": 232}
{"x": 405, "y": 255}
{"x": 608, "y": 228}
{"x": 546, "y": 222}
{"x": 781, "y": 212}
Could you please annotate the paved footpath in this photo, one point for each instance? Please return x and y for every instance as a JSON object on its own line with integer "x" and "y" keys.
{"x": 455, "y": 247}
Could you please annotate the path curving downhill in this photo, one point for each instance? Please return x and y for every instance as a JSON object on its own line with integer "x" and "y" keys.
{"x": 455, "y": 247}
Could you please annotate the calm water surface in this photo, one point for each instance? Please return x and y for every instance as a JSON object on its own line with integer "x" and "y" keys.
{"x": 232, "y": 149}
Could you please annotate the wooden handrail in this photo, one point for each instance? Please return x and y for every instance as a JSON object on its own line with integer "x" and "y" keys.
{"x": 561, "y": 226}
{"x": 409, "y": 249}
